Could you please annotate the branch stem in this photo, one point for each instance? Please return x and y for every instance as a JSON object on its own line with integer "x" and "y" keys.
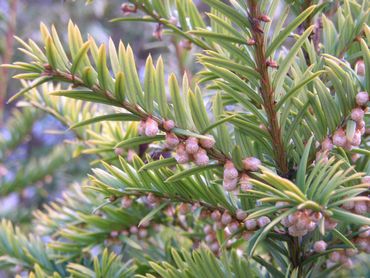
{"x": 266, "y": 89}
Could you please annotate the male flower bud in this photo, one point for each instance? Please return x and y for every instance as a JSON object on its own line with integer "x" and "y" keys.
{"x": 181, "y": 155}
{"x": 119, "y": 151}
{"x": 216, "y": 215}
{"x": 201, "y": 158}
{"x": 360, "y": 68}
{"x": 207, "y": 143}
{"x": 327, "y": 145}
{"x": 362, "y": 98}
{"x": 319, "y": 246}
{"x": 244, "y": 183}
{"x": 141, "y": 128}
{"x": 171, "y": 140}
{"x": 230, "y": 185}
{"x": 191, "y": 145}
{"x": 230, "y": 172}
{"x": 126, "y": 202}
{"x": 251, "y": 163}
{"x": 233, "y": 226}
{"x": 250, "y": 224}
{"x": 339, "y": 138}
{"x": 226, "y": 218}
{"x": 151, "y": 128}
{"x": 364, "y": 232}
{"x": 357, "y": 114}
{"x": 241, "y": 214}
{"x": 263, "y": 221}
{"x": 168, "y": 125}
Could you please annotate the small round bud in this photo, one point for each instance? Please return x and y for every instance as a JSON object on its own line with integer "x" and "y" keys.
{"x": 319, "y": 246}
{"x": 173, "y": 20}
{"x": 226, "y": 218}
{"x": 360, "y": 68}
{"x": 357, "y": 114}
{"x": 356, "y": 139}
{"x": 214, "y": 247}
{"x": 250, "y": 224}
{"x": 360, "y": 207}
{"x": 330, "y": 224}
{"x": 207, "y": 229}
{"x": 327, "y": 145}
{"x": 201, "y": 158}
{"x": 251, "y": 163}
{"x": 151, "y": 128}
{"x": 245, "y": 186}
{"x": 366, "y": 179}
{"x": 230, "y": 172}
{"x": 183, "y": 208}
{"x": 130, "y": 155}
{"x": 230, "y": 185}
{"x": 263, "y": 221}
{"x": 241, "y": 214}
{"x": 207, "y": 143}
{"x": 362, "y": 98}
{"x": 171, "y": 140}
{"x": 133, "y": 230}
{"x": 339, "y": 138}
{"x": 168, "y": 125}
{"x": 216, "y": 215}
{"x": 348, "y": 263}
{"x": 281, "y": 204}
{"x": 191, "y": 145}
{"x": 128, "y": 8}
{"x": 152, "y": 199}
{"x": 335, "y": 256}
{"x": 364, "y": 232}
{"x": 141, "y": 128}
{"x": 293, "y": 231}
{"x": 233, "y": 226}
{"x": 251, "y": 41}
{"x": 143, "y": 233}
{"x": 181, "y": 155}
{"x": 126, "y": 202}
{"x": 210, "y": 237}
{"x": 119, "y": 151}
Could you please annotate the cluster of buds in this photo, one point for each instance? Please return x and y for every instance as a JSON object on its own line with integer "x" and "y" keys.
{"x": 301, "y": 222}
{"x": 149, "y": 127}
{"x": 358, "y": 207}
{"x": 231, "y": 174}
{"x": 362, "y": 241}
{"x": 192, "y": 149}
{"x": 343, "y": 257}
{"x": 211, "y": 239}
{"x": 340, "y": 138}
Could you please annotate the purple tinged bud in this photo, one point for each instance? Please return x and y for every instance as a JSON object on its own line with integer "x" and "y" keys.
{"x": 362, "y": 98}
{"x": 251, "y": 164}
{"x": 241, "y": 214}
{"x": 151, "y": 128}
{"x": 207, "y": 143}
{"x": 319, "y": 246}
{"x": 226, "y": 218}
{"x": 357, "y": 114}
{"x": 263, "y": 221}
{"x": 216, "y": 215}
{"x": 192, "y": 145}
{"x": 171, "y": 140}
{"x": 250, "y": 224}
{"x": 168, "y": 125}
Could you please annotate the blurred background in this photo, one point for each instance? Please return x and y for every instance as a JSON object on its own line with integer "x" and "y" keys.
{"x": 35, "y": 161}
